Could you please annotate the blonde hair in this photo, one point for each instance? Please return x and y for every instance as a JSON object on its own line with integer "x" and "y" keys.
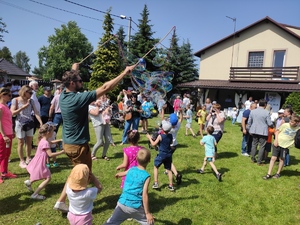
{"x": 44, "y": 129}
{"x": 143, "y": 157}
{"x": 24, "y": 89}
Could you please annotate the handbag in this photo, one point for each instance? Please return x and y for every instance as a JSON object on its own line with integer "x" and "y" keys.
{"x": 28, "y": 125}
{"x": 128, "y": 116}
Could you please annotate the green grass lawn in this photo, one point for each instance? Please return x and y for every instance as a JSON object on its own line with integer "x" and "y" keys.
{"x": 243, "y": 197}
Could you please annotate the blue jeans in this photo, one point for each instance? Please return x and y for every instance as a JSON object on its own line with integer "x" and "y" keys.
{"x": 134, "y": 122}
{"x": 246, "y": 143}
{"x": 58, "y": 120}
{"x": 287, "y": 158}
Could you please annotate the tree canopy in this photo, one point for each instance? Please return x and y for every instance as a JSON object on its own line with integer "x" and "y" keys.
{"x": 6, "y": 54}
{"x": 106, "y": 63}
{"x": 21, "y": 60}
{"x": 66, "y": 46}
{"x": 2, "y": 29}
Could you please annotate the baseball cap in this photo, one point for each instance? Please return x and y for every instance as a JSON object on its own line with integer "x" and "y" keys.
{"x": 79, "y": 177}
{"x": 47, "y": 89}
{"x": 281, "y": 111}
{"x": 166, "y": 126}
{"x": 173, "y": 119}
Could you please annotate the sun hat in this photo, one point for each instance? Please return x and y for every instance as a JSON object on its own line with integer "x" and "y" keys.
{"x": 281, "y": 111}
{"x": 79, "y": 176}
{"x": 166, "y": 126}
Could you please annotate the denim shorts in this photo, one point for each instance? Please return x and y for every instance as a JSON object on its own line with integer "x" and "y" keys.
{"x": 161, "y": 159}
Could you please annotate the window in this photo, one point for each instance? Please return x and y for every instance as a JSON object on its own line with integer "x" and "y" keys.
{"x": 256, "y": 59}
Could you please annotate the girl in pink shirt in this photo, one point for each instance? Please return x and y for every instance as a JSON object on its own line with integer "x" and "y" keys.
{"x": 130, "y": 153}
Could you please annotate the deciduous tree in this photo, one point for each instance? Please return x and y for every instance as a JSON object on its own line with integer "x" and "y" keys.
{"x": 67, "y": 46}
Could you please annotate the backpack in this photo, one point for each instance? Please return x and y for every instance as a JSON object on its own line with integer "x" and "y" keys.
{"x": 297, "y": 139}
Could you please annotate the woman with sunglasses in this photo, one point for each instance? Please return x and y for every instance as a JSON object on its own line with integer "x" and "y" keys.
{"x": 134, "y": 108}
{"x": 6, "y": 133}
{"x": 23, "y": 107}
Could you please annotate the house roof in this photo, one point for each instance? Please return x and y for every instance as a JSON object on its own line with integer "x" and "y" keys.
{"x": 266, "y": 19}
{"x": 250, "y": 86}
{"x": 11, "y": 69}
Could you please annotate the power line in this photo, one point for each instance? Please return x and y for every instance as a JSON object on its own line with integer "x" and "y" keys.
{"x": 48, "y": 17}
{"x": 65, "y": 10}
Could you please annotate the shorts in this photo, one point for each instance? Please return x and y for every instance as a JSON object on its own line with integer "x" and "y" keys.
{"x": 188, "y": 125}
{"x": 160, "y": 159}
{"x": 53, "y": 149}
{"x": 20, "y": 134}
{"x": 79, "y": 154}
{"x": 279, "y": 152}
{"x": 209, "y": 159}
{"x": 86, "y": 219}
{"x": 268, "y": 147}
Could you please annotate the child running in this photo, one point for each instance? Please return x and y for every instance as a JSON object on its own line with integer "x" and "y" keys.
{"x": 130, "y": 153}
{"x": 209, "y": 143}
{"x": 164, "y": 154}
{"x": 80, "y": 196}
{"x": 189, "y": 119}
{"x": 201, "y": 119}
{"x": 133, "y": 202}
{"x": 37, "y": 167}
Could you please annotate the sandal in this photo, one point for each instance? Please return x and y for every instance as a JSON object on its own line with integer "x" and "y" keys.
{"x": 276, "y": 176}
{"x": 268, "y": 176}
{"x": 94, "y": 158}
{"x": 105, "y": 157}
{"x": 39, "y": 197}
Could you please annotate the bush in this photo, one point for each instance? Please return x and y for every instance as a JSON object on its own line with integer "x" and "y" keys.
{"x": 293, "y": 100}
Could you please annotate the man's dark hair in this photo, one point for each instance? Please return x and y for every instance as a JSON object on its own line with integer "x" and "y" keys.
{"x": 69, "y": 76}
{"x": 262, "y": 102}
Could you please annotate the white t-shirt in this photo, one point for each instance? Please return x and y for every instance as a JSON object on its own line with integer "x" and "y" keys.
{"x": 81, "y": 203}
{"x": 96, "y": 120}
{"x": 248, "y": 104}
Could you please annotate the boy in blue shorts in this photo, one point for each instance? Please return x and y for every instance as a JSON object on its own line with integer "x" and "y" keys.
{"x": 209, "y": 143}
{"x": 164, "y": 154}
{"x": 133, "y": 202}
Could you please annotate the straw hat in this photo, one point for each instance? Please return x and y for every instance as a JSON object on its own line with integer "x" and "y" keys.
{"x": 79, "y": 177}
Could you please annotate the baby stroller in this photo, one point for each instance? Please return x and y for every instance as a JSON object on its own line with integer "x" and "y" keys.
{"x": 117, "y": 118}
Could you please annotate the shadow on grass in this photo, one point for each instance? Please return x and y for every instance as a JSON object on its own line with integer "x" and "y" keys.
{"x": 294, "y": 160}
{"x": 17, "y": 203}
{"x": 14, "y": 204}
{"x": 117, "y": 155}
{"x": 289, "y": 173}
{"x": 183, "y": 221}
{"x": 106, "y": 203}
{"x": 227, "y": 154}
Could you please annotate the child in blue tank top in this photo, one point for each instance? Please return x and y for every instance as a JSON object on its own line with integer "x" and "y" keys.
{"x": 133, "y": 202}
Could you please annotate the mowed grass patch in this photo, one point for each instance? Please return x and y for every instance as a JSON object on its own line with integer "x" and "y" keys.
{"x": 243, "y": 197}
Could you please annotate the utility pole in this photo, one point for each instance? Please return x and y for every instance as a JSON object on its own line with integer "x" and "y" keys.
{"x": 232, "y": 51}
{"x": 129, "y": 29}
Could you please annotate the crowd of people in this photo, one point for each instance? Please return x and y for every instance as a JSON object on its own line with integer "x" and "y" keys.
{"x": 73, "y": 109}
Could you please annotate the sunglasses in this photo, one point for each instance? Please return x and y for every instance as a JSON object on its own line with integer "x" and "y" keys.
{"x": 9, "y": 95}
{"x": 80, "y": 81}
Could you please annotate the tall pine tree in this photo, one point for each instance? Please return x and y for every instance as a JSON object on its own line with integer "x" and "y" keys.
{"x": 106, "y": 64}
{"x": 143, "y": 41}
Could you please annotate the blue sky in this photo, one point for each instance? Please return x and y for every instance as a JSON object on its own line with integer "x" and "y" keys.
{"x": 202, "y": 22}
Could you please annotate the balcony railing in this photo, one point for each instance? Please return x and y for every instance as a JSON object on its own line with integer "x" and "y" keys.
{"x": 265, "y": 74}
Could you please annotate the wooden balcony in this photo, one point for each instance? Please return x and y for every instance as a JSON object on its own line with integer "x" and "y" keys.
{"x": 265, "y": 74}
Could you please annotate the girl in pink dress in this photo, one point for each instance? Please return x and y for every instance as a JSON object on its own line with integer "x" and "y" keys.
{"x": 37, "y": 167}
{"x": 130, "y": 153}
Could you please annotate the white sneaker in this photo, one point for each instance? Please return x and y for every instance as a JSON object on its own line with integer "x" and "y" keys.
{"x": 245, "y": 154}
{"x": 28, "y": 185}
{"x": 61, "y": 206}
{"x": 22, "y": 165}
